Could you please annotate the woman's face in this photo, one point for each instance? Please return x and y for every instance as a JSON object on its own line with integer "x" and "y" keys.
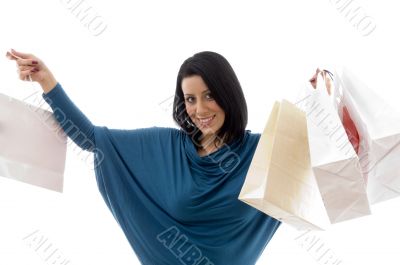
{"x": 201, "y": 107}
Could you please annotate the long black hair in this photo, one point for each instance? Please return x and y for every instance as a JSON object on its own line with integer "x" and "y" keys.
{"x": 225, "y": 88}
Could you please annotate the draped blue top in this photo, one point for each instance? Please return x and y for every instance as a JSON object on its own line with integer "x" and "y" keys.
{"x": 174, "y": 206}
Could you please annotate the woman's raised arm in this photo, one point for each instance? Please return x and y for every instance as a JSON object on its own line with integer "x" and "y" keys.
{"x": 75, "y": 124}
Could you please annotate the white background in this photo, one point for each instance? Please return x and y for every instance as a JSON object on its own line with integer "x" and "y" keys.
{"x": 120, "y": 77}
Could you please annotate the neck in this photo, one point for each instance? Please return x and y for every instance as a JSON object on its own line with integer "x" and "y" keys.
{"x": 210, "y": 143}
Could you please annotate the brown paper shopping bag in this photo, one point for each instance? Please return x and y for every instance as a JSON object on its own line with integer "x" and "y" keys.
{"x": 280, "y": 181}
{"x": 32, "y": 145}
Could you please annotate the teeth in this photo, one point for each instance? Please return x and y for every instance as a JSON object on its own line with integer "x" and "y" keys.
{"x": 206, "y": 120}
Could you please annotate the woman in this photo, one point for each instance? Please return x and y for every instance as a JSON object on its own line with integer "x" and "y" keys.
{"x": 175, "y": 192}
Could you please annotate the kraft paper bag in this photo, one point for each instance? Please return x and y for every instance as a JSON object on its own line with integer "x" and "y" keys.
{"x": 32, "y": 145}
{"x": 334, "y": 162}
{"x": 280, "y": 181}
{"x": 378, "y": 125}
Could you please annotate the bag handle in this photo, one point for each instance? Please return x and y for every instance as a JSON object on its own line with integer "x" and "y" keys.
{"x": 321, "y": 84}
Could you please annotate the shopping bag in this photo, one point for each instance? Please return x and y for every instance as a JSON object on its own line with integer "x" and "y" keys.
{"x": 32, "y": 145}
{"x": 280, "y": 181}
{"x": 334, "y": 161}
{"x": 378, "y": 125}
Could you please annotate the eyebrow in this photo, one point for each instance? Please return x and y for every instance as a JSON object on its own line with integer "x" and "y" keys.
{"x": 201, "y": 92}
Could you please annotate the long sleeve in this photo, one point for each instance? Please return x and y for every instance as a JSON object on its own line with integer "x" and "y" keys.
{"x": 74, "y": 123}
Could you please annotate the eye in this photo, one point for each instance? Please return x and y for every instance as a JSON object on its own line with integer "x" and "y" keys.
{"x": 209, "y": 96}
{"x": 189, "y": 99}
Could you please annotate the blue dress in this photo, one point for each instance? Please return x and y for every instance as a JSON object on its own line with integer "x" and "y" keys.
{"x": 174, "y": 206}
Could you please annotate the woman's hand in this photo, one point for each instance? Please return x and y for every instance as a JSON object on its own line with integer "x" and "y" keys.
{"x": 30, "y": 65}
{"x": 326, "y": 76}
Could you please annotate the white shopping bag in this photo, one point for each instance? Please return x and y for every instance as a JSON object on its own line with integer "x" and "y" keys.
{"x": 334, "y": 162}
{"x": 32, "y": 145}
{"x": 280, "y": 181}
{"x": 379, "y": 128}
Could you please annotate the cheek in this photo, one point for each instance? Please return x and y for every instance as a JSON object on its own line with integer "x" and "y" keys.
{"x": 222, "y": 118}
{"x": 217, "y": 108}
{"x": 189, "y": 111}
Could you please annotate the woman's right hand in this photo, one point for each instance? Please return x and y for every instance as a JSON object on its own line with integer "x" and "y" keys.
{"x": 30, "y": 65}
{"x": 326, "y": 77}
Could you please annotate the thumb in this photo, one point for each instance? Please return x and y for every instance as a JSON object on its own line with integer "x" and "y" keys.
{"x": 20, "y": 54}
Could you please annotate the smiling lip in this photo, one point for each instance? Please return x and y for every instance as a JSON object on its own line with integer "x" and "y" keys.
{"x": 207, "y": 122}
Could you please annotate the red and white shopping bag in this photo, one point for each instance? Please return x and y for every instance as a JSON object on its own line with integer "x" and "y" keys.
{"x": 378, "y": 129}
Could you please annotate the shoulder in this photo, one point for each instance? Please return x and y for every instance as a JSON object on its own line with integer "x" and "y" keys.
{"x": 249, "y": 143}
{"x": 251, "y": 137}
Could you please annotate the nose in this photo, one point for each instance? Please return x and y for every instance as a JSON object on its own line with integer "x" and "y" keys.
{"x": 201, "y": 108}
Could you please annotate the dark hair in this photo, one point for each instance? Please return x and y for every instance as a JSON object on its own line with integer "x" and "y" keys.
{"x": 224, "y": 85}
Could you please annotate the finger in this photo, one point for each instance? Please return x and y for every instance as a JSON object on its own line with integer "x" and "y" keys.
{"x": 313, "y": 78}
{"x": 24, "y": 68}
{"x": 329, "y": 73}
{"x": 29, "y": 62}
{"x": 21, "y": 55}
{"x": 21, "y": 61}
{"x": 11, "y": 56}
{"x": 323, "y": 75}
{"x": 24, "y": 75}
{"x": 26, "y": 62}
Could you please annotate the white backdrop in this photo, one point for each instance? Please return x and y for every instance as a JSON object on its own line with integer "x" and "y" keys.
{"x": 118, "y": 61}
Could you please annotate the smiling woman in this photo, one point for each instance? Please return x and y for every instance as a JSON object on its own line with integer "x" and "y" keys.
{"x": 209, "y": 101}
{"x": 202, "y": 108}
{"x": 175, "y": 204}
